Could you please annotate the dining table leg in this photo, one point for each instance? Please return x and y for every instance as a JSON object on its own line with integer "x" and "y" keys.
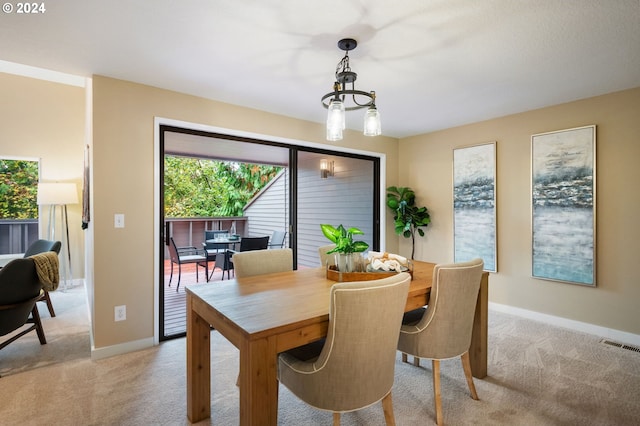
{"x": 258, "y": 382}
{"x": 478, "y": 348}
{"x": 198, "y": 365}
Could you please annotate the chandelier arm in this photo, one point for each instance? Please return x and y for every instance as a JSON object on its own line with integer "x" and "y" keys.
{"x": 349, "y": 92}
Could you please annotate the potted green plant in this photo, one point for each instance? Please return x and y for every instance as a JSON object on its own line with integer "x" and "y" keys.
{"x": 408, "y": 217}
{"x": 345, "y": 245}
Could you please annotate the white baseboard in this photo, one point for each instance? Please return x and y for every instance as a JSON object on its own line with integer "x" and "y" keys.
{"x": 607, "y": 333}
{"x": 120, "y": 349}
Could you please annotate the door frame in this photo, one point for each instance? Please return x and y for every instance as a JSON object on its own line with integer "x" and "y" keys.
{"x": 162, "y": 125}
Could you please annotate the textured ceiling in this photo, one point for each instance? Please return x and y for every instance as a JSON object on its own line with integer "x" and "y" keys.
{"x": 434, "y": 64}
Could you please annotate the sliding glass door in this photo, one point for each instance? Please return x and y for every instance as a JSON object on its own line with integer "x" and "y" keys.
{"x": 334, "y": 189}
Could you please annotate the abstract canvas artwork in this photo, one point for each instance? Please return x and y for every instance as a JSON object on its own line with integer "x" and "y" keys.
{"x": 474, "y": 204}
{"x": 563, "y": 205}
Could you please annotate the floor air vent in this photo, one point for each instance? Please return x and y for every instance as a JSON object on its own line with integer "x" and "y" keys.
{"x": 621, "y": 345}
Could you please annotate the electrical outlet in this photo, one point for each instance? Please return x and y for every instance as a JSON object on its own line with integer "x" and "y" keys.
{"x": 120, "y": 313}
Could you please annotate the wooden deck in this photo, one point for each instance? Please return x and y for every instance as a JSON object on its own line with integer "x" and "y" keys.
{"x": 175, "y": 314}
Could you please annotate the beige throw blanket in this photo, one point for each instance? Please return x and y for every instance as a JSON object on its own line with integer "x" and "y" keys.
{"x": 47, "y": 267}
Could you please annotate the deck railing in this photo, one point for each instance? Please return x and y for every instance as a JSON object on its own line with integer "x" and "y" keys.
{"x": 17, "y": 234}
{"x": 190, "y": 231}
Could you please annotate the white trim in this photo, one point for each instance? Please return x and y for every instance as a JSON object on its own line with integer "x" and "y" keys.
{"x": 583, "y": 327}
{"x": 42, "y": 74}
{"x": 121, "y": 349}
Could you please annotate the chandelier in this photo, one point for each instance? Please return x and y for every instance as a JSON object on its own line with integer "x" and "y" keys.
{"x": 343, "y": 98}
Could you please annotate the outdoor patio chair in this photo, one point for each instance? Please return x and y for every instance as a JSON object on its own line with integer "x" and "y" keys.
{"x": 42, "y": 246}
{"x": 213, "y": 248}
{"x": 246, "y": 244}
{"x": 187, "y": 255}
{"x": 277, "y": 240}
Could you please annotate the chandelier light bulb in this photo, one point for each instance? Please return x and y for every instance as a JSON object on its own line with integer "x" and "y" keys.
{"x": 372, "y": 126}
{"x": 335, "y": 120}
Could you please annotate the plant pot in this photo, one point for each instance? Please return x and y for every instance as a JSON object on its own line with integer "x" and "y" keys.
{"x": 349, "y": 262}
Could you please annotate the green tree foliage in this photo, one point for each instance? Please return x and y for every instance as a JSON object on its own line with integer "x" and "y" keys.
{"x": 196, "y": 187}
{"x": 18, "y": 189}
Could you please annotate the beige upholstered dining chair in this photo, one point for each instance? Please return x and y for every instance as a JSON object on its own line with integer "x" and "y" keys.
{"x": 258, "y": 262}
{"x": 355, "y": 366}
{"x": 324, "y": 257}
{"x": 443, "y": 329}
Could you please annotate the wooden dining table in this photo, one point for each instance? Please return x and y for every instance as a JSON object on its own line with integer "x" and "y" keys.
{"x": 267, "y": 314}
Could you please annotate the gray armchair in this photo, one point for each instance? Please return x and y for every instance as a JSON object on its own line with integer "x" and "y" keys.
{"x": 443, "y": 329}
{"x": 355, "y": 366}
{"x": 43, "y": 246}
{"x": 20, "y": 289}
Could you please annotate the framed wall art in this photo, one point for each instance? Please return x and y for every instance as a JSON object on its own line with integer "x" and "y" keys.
{"x": 563, "y": 200}
{"x": 474, "y": 204}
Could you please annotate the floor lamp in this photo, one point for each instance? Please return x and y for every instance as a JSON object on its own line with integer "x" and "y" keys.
{"x": 58, "y": 196}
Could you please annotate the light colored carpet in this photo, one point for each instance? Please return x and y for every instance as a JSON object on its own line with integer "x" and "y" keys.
{"x": 538, "y": 375}
{"x": 67, "y": 335}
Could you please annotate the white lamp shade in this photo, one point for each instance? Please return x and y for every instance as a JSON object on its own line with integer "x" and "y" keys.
{"x": 57, "y": 193}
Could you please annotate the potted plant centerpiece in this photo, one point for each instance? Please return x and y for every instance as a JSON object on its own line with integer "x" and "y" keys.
{"x": 346, "y": 248}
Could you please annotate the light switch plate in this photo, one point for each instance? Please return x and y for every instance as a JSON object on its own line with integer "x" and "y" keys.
{"x": 118, "y": 220}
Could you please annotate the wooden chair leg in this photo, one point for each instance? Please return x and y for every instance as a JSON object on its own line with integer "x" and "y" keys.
{"x": 436, "y": 391}
{"x": 336, "y": 419}
{"x": 387, "y": 407}
{"x": 45, "y": 298}
{"x": 35, "y": 316}
{"x": 416, "y": 360}
{"x": 466, "y": 365}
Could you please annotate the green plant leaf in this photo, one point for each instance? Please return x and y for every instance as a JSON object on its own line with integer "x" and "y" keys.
{"x": 355, "y": 231}
{"x": 360, "y": 246}
{"x": 330, "y": 232}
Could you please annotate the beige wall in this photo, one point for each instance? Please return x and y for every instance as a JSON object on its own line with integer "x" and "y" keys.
{"x": 427, "y": 167}
{"x": 123, "y": 131}
{"x": 45, "y": 120}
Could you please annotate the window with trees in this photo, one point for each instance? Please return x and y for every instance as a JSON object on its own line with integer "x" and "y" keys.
{"x": 18, "y": 204}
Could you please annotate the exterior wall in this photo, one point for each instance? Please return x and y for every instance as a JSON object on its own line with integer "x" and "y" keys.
{"x": 269, "y": 210}
{"x": 426, "y": 165}
{"x": 345, "y": 198}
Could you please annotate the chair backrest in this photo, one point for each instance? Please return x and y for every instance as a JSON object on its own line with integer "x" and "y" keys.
{"x": 446, "y": 326}
{"x": 254, "y": 243}
{"x": 324, "y": 257}
{"x": 19, "y": 290}
{"x": 277, "y": 239}
{"x": 42, "y": 246}
{"x": 357, "y": 363}
{"x": 211, "y": 235}
{"x": 173, "y": 251}
{"x": 258, "y": 262}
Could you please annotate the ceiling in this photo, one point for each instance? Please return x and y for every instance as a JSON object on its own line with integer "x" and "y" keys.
{"x": 434, "y": 64}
